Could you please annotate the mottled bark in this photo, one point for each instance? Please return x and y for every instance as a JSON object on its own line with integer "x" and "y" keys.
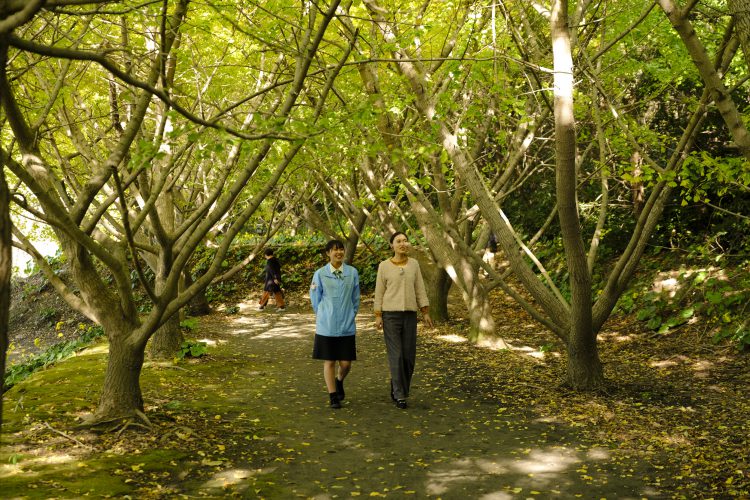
{"x": 740, "y": 10}
{"x": 121, "y": 395}
{"x": 584, "y": 366}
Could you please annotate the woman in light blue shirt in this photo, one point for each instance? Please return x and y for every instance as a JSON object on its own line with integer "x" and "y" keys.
{"x": 334, "y": 293}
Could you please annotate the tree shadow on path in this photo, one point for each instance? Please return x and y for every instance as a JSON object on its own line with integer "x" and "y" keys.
{"x": 455, "y": 440}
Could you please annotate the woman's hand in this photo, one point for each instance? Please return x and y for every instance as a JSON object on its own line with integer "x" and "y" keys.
{"x": 378, "y": 322}
{"x": 428, "y": 321}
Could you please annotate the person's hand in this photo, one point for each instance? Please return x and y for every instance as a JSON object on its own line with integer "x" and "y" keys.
{"x": 428, "y": 321}
{"x": 378, "y": 322}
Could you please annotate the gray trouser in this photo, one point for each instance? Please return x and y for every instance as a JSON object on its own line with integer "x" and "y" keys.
{"x": 400, "y": 333}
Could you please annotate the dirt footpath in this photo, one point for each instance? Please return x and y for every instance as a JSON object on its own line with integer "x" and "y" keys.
{"x": 455, "y": 440}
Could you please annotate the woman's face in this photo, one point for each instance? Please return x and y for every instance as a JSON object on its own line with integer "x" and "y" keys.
{"x": 336, "y": 256}
{"x": 400, "y": 244}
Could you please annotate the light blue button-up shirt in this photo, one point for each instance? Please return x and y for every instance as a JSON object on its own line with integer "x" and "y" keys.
{"x": 335, "y": 300}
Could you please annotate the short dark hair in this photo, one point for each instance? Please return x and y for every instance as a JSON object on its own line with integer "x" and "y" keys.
{"x": 269, "y": 251}
{"x": 334, "y": 244}
{"x": 393, "y": 236}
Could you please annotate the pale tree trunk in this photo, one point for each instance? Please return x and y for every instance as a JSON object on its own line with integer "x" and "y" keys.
{"x": 353, "y": 239}
{"x": 636, "y": 187}
{"x": 463, "y": 271}
{"x": 584, "y": 366}
{"x": 6, "y": 256}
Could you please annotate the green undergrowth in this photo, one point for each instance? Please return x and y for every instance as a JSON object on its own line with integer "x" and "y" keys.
{"x": 671, "y": 293}
{"x": 52, "y": 354}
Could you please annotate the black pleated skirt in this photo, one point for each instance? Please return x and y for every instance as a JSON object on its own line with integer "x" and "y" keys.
{"x": 335, "y": 348}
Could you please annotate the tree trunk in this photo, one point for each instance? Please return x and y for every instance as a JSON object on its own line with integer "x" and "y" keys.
{"x": 6, "y": 256}
{"x": 740, "y": 10}
{"x": 437, "y": 292}
{"x": 584, "y": 367}
{"x": 121, "y": 393}
{"x": 198, "y": 305}
{"x": 712, "y": 79}
{"x": 463, "y": 273}
{"x": 167, "y": 340}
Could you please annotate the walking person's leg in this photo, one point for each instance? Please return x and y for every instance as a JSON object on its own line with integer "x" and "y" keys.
{"x": 279, "y": 297}
{"x": 329, "y": 375}
{"x": 344, "y": 369}
{"x": 409, "y": 348}
{"x": 263, "y": 300}
{"x": 393, "y": 333}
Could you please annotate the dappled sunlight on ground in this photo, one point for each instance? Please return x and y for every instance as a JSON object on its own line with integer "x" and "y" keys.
{"x": 94, "y": 350}
{"x": 535, "y": 352}
{"x": 453, "y": 338}
{"x": 234, "y": 478}
{"x": 252, "y": 420}
{"x": 46, "y": 459}
{"x": 528, "y": 471}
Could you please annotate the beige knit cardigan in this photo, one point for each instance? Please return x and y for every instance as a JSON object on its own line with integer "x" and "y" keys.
{"x": 400, "y": 288}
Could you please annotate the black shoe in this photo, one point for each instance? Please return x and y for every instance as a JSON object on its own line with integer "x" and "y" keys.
{"x": 340, "y": 389}
{"x": 335, "y": 402}
{"x": 401, "y": 404}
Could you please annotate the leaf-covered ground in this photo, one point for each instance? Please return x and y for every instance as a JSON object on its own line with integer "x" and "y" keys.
{"x": 251, "y": 420}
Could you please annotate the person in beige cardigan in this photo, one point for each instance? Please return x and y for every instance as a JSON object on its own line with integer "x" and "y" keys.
{"x": 399, "y": 294}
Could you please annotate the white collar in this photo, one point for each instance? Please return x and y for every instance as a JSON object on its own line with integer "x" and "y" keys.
{"x": 333, "y": 269}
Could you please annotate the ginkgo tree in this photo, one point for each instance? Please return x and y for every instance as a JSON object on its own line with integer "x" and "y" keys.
{"x": 137, "y": 148}
{"x": 568, "y": 42}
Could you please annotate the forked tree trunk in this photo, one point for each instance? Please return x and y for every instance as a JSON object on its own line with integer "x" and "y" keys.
{"x": 481, "y": 321}
{"x": 121, "y": 392}
{"x": 463, "y": 273}
{"x": 584, "y": 367}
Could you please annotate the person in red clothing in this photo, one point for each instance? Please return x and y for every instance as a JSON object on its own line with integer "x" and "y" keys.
{"x": 272, "y": 274}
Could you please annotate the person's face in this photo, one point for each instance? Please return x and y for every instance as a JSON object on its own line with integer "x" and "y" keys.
{"x": 400, "y": 244}
{"x": 336, "y": 256}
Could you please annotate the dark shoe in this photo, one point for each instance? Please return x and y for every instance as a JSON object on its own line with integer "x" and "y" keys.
{"x": 335, "y": 402}
{"x": 340, "y": 389}
{"x": 401, "y": 404}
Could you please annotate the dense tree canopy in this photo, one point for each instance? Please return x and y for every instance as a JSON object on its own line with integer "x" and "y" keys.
{"x": 138, "y": 133}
